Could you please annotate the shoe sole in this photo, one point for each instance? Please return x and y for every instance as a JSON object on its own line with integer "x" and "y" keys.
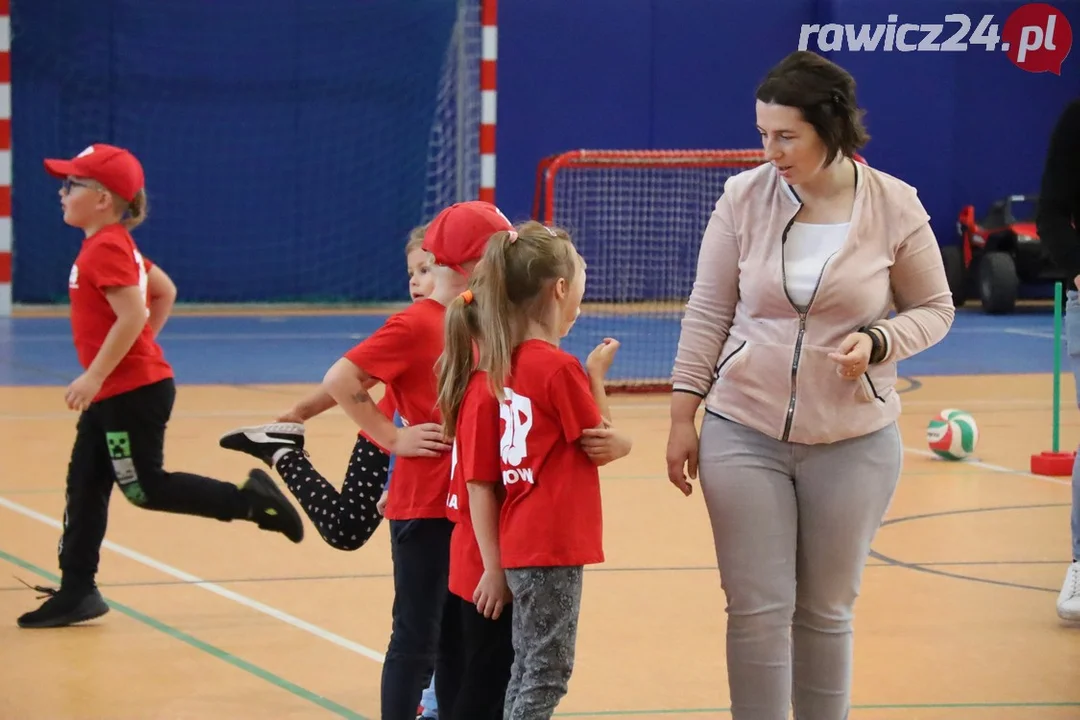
{"x": 238, "y": 440}
{"x": 1069, "y": 616}
{"x": 86, "y": 616}
{"x": 282, "y": 428}
{"x": 267, "y": 483}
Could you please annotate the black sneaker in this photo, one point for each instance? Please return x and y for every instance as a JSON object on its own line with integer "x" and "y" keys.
{"x": 263, "y": 441}
{"x": 66, "y": 606}
{"x": 270, "y": 509}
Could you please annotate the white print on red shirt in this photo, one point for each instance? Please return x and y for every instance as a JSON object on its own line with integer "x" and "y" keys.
{"x": 517, "y": 414}
{"x": 451, "y": 497}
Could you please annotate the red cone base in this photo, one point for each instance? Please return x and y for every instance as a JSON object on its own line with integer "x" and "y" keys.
{"x": 1057, "y": 464}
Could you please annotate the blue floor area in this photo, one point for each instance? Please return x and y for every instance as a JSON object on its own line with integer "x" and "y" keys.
{"x": 298, "y": 349}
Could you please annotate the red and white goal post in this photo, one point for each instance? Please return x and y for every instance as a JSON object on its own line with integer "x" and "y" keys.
{"x": 637, "y": 217}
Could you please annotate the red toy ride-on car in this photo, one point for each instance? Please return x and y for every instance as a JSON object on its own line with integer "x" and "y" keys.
{"x": 997, "y": 254}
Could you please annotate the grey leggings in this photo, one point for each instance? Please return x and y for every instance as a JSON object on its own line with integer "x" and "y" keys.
{"x": 547, "y": 602}
{"x": 793, "y": 526}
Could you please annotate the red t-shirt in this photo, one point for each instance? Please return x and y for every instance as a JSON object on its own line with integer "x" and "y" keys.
{"x": 476, "y": 459}
{"x": 402, "y": 355}
{"x": 551, "y": 515}
{"x": 109, "y": 258}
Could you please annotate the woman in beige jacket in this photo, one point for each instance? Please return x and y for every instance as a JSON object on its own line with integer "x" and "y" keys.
{"x": 788, "y": 339}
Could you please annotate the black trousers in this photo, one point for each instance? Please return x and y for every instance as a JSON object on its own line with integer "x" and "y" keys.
{"x": 475, "y": 655}
{"x": 346, "y": 520}
{"x": 421, "y": 553}
{"x": 121, "y": 439}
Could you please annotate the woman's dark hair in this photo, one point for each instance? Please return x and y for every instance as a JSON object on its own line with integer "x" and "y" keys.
{"x": 825, "y": 93}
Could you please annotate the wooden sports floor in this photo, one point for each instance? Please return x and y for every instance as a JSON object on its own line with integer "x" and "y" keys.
{"x": 210, "y": 620}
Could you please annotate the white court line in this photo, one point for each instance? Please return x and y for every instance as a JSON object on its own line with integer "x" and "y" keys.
{"x": 211, "y": 587}
{"x": 1029, "y": 333}
{"x": 996, "y": 468}
{"x": 326, "y": 634}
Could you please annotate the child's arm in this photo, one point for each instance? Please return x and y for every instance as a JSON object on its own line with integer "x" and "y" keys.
{"x": 599, "y": 393}
{"x": 130, "y": 309}
{"x": 347, "y": 384}
{"x": 127, "y": 303}
{"x": 596, "y": 366}
{"x": 492, "y": 593}
{"x": 318, "y": 402}
{"x": 161, "y": 294}
{"x": 604, "y": 444}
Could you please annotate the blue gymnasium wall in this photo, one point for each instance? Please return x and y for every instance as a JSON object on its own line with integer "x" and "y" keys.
{"x": 962, "y": 127}
{"x": 284, "y": 141}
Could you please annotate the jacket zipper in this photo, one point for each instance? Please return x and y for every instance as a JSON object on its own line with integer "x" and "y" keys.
{"x": 802, "y": 324}
{"x": 802, "y": 313}
{"x": 725, "y": 361}
{"x": 873, "y": 390}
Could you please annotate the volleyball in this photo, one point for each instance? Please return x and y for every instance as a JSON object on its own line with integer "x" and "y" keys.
{"x": 952, "y": 434}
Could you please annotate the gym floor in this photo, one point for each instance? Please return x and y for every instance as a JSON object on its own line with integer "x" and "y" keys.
{"x": 212, "y": 620}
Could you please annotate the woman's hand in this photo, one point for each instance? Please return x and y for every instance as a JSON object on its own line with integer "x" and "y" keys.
{"x": 682, "y": 453}
{"x": 853, "y": 356}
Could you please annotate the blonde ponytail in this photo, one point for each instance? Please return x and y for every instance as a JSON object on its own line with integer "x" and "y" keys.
{"x": 496, "y": 313}
{"x": 456, "y": 362}
{"x": 137, "y": 211}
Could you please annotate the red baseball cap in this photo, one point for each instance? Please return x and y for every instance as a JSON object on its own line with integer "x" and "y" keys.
{"x": 115, "y": 168}
{"x": 460, "y": 233}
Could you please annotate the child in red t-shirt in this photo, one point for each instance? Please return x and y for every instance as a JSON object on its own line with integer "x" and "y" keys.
{"x": 528, "y": 538}
{"x": 345, "y": 519}
{"x": 119, "y": 303}
{"x": 402, "y": 354}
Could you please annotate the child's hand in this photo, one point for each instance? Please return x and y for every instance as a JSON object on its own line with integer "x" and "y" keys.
{"x": 381, "y": 505}
{"x": 82, "y": 391}
{"x": 492, "y": 594}
{"x": 424, "y": 440}
{"x": 605, "y": 444}
{"x": 600, "y": 359}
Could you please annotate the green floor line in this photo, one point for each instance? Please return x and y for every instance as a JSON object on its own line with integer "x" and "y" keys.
{"x": 205, "y": 647}
{"x": 895, "y": 706}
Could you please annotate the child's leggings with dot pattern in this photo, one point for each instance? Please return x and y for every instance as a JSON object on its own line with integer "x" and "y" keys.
{"x": 348, "y": 518}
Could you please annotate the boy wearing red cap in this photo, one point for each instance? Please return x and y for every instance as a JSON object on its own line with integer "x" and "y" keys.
{"x": 403, "y": 354}
{"x": 119, "y": 303}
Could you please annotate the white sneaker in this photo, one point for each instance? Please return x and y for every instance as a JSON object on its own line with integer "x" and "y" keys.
{"x": 1068, "y": 604}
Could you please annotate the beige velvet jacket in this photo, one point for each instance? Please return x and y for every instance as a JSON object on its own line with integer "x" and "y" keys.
{"x": 758, "y": 360}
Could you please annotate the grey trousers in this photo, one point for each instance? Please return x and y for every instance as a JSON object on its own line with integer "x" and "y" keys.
{"x": 547, "y": 602}
{"x": 792, "y": 526}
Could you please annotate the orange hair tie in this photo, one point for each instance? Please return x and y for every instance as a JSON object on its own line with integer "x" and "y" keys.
{"x": 467, "y": 296}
